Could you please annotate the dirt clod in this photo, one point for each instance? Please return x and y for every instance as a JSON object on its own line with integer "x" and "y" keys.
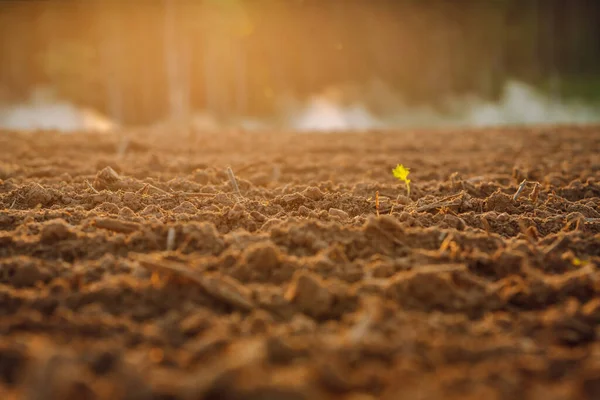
{"x": 310, "y": 294}
{"x": 106, "y": 179}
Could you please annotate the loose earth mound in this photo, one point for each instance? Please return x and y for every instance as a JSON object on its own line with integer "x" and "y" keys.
{"x": 137, "y": 266}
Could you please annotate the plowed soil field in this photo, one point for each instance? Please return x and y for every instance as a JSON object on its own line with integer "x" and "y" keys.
{"x": 133, "y": 267}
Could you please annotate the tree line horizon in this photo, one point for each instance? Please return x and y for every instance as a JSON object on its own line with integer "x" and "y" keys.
{"x": 141, "y": 61}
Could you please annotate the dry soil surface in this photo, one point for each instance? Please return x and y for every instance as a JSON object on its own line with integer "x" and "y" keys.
{"x": 131, "y": 267}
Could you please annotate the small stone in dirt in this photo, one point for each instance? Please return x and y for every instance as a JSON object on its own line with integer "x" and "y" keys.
{"x": 304, "y": 211}
{"x": 335, "y": 212}
{"x": 309, "y": 293}
{"x": 258, "y": 217}
{"x": 223, "y": 199}
{"x": 503, "y": 217}
{"x": 107, "y": 208}
{"x": 402, "y": 199}
{"x": 36, "y": 194}
{"x": 106, "y": 178}
{"x": 127, "y": 213}
{"x": 499, "y": 202}
{"x": 313, "y": 193}
{"x": 236, "y": 212}
{"x": 152, "y": 211}
{"x": 132, "y": 200}
{"x": 185, "y": 208}
{"x": 454, "y": 222}
{"x": 262, "y": 256}
{"x": 293, "y": 199}
{"x": 257, "y": 263}
{"x": 55, "y": 231}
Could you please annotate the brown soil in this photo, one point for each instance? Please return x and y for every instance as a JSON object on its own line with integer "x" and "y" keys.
{"x": 131, "y": 269}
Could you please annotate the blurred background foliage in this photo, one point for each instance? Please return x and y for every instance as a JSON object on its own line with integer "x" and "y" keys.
{"x": 138, "y": 61}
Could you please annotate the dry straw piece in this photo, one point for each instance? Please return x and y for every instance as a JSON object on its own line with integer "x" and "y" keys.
{"x": 233, "y": 181}
{"x": 535, "y": 192}
{"x": 520, "y": 189}
{"x": 171, "y": 239}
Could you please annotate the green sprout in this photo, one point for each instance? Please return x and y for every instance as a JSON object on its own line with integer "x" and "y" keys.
{"x": 401, "y": 172}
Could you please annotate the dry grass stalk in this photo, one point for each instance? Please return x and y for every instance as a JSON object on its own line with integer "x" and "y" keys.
{"x": 535, "y": 192}
{"x": 520, "y": 189}
{"x": 377, "y": 202}
{"x": 89, "y": 185}
{"x": 157, "y": 189}
{"x": 171, "y": 239}
{"x": 143, "y": 190}
{"x": 446, "y": 243}
{"x": 233, "y": 181}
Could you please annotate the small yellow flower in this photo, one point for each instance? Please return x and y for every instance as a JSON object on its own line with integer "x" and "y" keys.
{"x": 401, "y": 172}
{"x": 577, "y": 262}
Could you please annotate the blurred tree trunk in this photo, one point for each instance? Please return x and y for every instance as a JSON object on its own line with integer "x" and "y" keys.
{"x": 111, "y": 54}
{"x": 176, "y": 59}
{"x": 553, "y": 30}
{"x": 16, "y": 46}
{"x": 241, "y": 76}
